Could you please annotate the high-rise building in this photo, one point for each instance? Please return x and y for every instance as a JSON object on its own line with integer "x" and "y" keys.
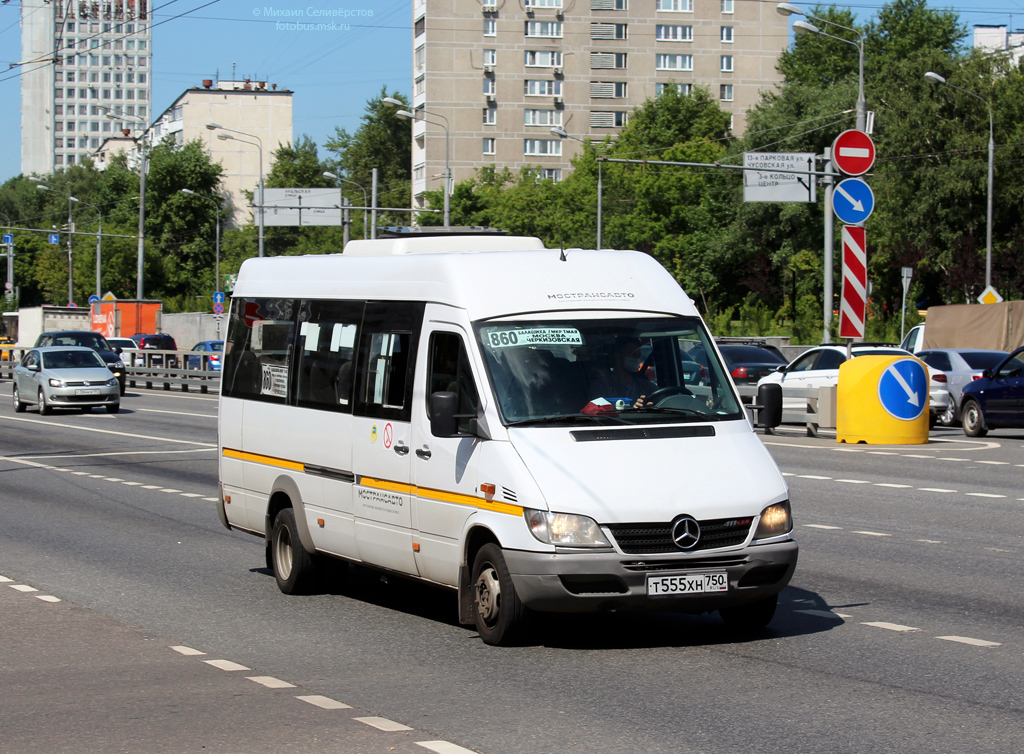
{"x": 992, "y": 38}
{"x": 500, "y": 74}
{"x": 81, "y": 61}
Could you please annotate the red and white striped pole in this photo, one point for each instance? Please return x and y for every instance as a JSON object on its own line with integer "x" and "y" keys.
{"x": 853, "y": 309}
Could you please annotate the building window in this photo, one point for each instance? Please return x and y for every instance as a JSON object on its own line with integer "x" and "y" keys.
{"x": 548, "y": 29}
{"x": 543, "y": 3}
{"x": 542, "y": 147}
{"x": 608, "y": 89}
{"x": 489, "y": 145}
{"x": 727, "y": 6}
{"x": 551, "y": 174}
{"x": 490, "y": 116}
{"x": 490, "y": 27}
{"x": 727, "y": 63}
{"x": 489, "y": 86}
{"x": 142, "y": 111}
{"x": 419, "y": 86}
{"x": 609, "y": 5}
{"x": 727, "y": 34}
{"x": 542, "y": 118}
{"x": 725, "y": 92}
{"x": 419, "y": 56}
{"x": 490, "y": 57}
{"x": 666, "y": 62}
{"x": 608, "y": 31}
{"x": 95, "y": 126}
{"x": 419, "y": 26}
{"x": 543, "y": 59}
{"x": 612, "y": 119}
{"x": 542, "y": 88}
{"x": 675, "y": 6}
{"x": 607, "y": 60}
{"x": 685, "y": 89}
{"x": 70, "y": 76}
{"x": 666, "y": 33}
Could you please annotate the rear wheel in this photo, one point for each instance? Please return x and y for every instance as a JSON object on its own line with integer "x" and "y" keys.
{"x": 498, "y": 613}
{"x": 44, "y": 407}
{"x": 948, "y": 417}
{"x": 750, "y": 617}
{"x": 973, "y": 419}
{"x": 18, "y": 405}
{"x": 293, "y": 566}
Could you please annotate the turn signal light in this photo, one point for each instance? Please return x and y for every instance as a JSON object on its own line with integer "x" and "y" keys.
{"x": 488, "y": 489}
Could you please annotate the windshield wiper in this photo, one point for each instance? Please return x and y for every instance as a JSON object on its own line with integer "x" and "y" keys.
{"x": 675, "y": 410}
{"x": 589, "y": 418}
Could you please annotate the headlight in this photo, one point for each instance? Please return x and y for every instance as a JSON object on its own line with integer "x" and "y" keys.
{"x": 776, "y": 520}
{"x": 565, "y": 529}
{"x": 112, "y": 382}
{"x": 56, "y": 382}
{"x": 117, "y": 365}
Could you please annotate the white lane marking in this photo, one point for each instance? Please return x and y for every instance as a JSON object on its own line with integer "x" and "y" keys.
{"x": 853, "y": 481}
{"x": 80, "y": 473}
{"x": 995, "y": 463}
{"x": 890, "y": 626}
{"x": 5, "y": 580}
{"x": 104, "y": 432}
{"x": 187, "y": 651}
{"x": 382, "y": 723}
{"x": 881, "y": 453}
{"x": 212, "y": 499}
{"x": 57, "y": 469}
{"x": 930, "y": 541}
{"x": 132, "y": 484}
{"x": 953, "y": 459}
{"x": 170, "y": 491}
{"x": 47, "y": 598}
{"x": 151, "y": 486}
{"x": 811, "y": 476}
{"x": 23, "y": 588}
{"x": 847, "y": 450}
{"x": 191, "y": 494}
{"x": 443, "y": 747}
{"x": 226, "y": 665}
{"x": 323, "y": 702}
{"x": 909, "y": 455}
{"x": 92, "y": 476}
{"x": 982, "y": 494}
{"x": 176, "y": 413}
{"x": 894, "y": 486}
{"x": 788, "y": 473}
{"x": 818, "y": 613}
{"x": 821, "y": 526}
{"x": 969, "y": 640}
{"x": 997, "y": 549}
{"x": 64, "y": 456}
{"x": 270, "y": 682}
{"x": 873, "y": 533}
{"x": 934, "y": 489}
{"x": 112, "y": 479}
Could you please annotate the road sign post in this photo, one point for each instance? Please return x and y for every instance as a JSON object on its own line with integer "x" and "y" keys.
{"x": 853, "y": 308}
{"x": 907, "y": 274}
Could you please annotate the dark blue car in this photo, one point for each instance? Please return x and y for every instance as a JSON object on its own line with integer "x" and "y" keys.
{"x": 996, "y": 399}
{"x": 211, "y": 349}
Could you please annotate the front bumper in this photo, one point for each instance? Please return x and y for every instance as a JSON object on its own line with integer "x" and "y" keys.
{"x": 68, "y": 396}
{"x": 602, "y": 581}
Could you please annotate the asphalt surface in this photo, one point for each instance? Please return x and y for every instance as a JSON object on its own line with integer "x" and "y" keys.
{"x": 901, "y": 630}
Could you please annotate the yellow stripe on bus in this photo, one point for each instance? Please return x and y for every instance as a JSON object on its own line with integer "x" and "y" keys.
{"x": 268, "y": 460}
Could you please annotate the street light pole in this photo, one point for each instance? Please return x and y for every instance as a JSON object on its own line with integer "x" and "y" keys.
{"x": 418, "y": 115}
{"x": 216, "y": 204}
{"x": 329, "y": 174}
{"x": 563, "y": 134}
{"x": 71, "y": 234}
{"x": 934, "y": 78}
{"x": 140, "y": 143}
{"x": 259, "y": 143}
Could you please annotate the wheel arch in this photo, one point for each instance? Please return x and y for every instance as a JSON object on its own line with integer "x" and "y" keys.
{"x": 476, "y": 536}
{"x": 285, "y": 494}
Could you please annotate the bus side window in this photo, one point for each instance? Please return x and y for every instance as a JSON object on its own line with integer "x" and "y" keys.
{"x": 387, "y": 357}
{"x": 257, "y": 353}
{"x": 327, "y": 340}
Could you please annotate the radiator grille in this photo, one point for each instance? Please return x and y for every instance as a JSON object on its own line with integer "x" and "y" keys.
{"x": 657, "y": 538}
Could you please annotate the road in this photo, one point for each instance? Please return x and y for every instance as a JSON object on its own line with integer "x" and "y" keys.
{"x": 901, "y": 632}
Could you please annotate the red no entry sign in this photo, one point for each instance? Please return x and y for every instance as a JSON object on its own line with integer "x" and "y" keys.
{"x": 853, "y": 152}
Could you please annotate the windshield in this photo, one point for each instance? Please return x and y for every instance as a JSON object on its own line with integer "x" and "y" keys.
{"x": 638, "y": 370}
{"x": 72, "y": 360}
{"x": 91, "y": 340}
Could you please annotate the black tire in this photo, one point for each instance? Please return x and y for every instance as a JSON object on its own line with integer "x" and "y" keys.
{"x": 85, "y": 409}
{"x": 19, "y": 407}
{"x": 948, "y": 418}
{"x": 293, "y": 567}
{"x": 751, "y": 617}
{"x": 44, "y": 407}
{"x": 498, "y": 613}
{"x": 113, "y": 408}
{"x": 973, "y": 419}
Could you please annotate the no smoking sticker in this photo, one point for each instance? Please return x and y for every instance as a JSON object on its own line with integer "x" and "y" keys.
{"x": 388, "y": 435}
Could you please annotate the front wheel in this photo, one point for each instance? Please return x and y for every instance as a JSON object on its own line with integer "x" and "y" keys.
{"x": 113, "y": 408}
{"x": 293, "y": 566}
{"x": 44, "y": 407}
{"x": 948, "y": 417}
{"x": 750, "y": 617}
{"x": 974, "y": 420}
{"x": 19, "y": 407}
{"x": 498, "y": 612}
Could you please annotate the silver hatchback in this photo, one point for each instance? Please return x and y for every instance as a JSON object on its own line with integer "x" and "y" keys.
{"x": 65, "y": 377}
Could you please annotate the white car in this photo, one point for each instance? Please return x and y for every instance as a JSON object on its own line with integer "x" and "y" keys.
{"x": 131, "y": 355}
{"x": 819, "y": 367}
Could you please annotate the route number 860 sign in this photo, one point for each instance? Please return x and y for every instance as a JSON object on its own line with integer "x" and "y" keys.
{"x": 534, "y": 336}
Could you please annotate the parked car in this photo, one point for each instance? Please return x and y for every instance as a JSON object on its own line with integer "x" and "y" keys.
{"x": 958, "y": 367}
{"x": 749, "y": 362}
{"x": 819, "y": 367}
{"x": 86, "y": 339}
{"x": 157, "y": 342}
{"x": 212, "y": 349}
{"x": 996, "y": 399}
{"x": 65, "y": 377}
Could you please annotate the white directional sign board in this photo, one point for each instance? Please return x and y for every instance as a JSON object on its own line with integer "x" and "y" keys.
{"x": 301, "y": 206}
{"x": 772, "y": 179}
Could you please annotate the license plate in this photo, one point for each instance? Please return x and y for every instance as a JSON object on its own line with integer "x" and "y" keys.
{"x": 88, "y": 391}
{"x": 691, "y": 583}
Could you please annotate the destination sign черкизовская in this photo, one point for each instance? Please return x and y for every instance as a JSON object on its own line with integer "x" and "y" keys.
{"x": 765, "y": 182}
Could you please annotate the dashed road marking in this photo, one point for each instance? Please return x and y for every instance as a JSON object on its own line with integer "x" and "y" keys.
{"x": 890, "y": 626}
{"x": 443, "y": 747}
{"x": 930, "y": 541}
{"x": 969, "y": 640}
{"x": 191, "y": 494}
{"x": 132, "y": 484}
{"x": 323, "y": 702}
{"x": 187, "y": 651}
{"x": 983, "y": 494}
{"x": 911, "y": 455}
{"x": 382, "y": 723}
{"x": 995, "y": 463}
{"x": 5, "y": 580}
{"x": 853, "y": 481}
{"x": 818, "y": 613}
{"x": 270, "y": 682}
{"x": 966, "y": 460}
{"x": 151, "y": 486}
{"x": 873, "y": 533}
{"x": 112, "y": 479}
{"x": 812, "y": 476}
{"x": 23, "y": 588}
{"x": 933, "y": 489}
{"x": 881, "y": 453}
{"x": 821, "y": 526}
{"x": 170, "y": 491}
{"x": 894, "y": 486}
{"x": 226, "y": 665}
{"x": 47, "y": 598}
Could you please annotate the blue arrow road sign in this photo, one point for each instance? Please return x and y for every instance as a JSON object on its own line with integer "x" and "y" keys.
{"x": 853, "y": 201}
{"x": 218, "y": 297}
{"x": 903, "y": 389}
{"x": 94, "y": 299}
{"x": 55, "y": 239}
{"x": 8, "y": 238}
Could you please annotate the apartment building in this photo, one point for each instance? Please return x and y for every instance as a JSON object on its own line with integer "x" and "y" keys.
{"x": 256, "y": 118}
{"x": 81, "y": 61}
{"x": 992, "y": 38}
{"x": 500, "y": 74}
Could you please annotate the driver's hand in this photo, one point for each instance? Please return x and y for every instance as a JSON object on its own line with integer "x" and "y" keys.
{"x": 640, "y": 402}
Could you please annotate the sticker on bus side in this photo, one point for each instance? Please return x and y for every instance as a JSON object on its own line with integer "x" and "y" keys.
{"x": 275, "y": 381}
{"x": 534, "y": 336}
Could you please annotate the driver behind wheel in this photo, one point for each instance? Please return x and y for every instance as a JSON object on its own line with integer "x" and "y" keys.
{"x": 618, "y": 383}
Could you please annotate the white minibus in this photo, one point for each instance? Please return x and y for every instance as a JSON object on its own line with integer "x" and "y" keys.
{"x": 535, "y": 429}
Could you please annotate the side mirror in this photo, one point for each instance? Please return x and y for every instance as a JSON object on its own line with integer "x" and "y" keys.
{"x": 987, "y": 374}
{"x": 443, "y": 405}
{"x": 782, "y": 369}
{"x": 33, "y": 367}
{"x": 769, "y": 405}
{"x": 118, "y": 350}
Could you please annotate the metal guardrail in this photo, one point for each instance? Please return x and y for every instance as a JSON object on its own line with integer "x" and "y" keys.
{"x": 810, "y": 417}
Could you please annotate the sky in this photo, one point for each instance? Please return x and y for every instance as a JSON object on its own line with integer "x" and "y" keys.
{"x": 332, "y": 74}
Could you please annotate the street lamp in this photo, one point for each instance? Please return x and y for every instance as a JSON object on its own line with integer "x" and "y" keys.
{"x": 71, "y": 233}
{"x": 934, "y": 78}
{"x": 329, "y": 174}
{"x": 418, "y": 115}
{"x": 803, "y": 27}
{"x": 215, "y": 203}
{"x": 563, "y": 134}
{"x": 259, "y": 143}
{"x": 140, "y": 143}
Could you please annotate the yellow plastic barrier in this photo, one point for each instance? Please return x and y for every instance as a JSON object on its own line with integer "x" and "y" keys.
{"x": 882, "y": 400}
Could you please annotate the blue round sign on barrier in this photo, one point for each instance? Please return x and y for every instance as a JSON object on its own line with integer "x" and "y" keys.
{"x": 903, "y": 389}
